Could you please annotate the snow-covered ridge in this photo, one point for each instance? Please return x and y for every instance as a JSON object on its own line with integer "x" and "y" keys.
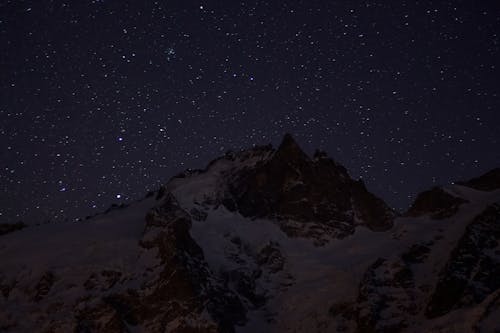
{"x": 208, "y": 185}
{"x": 206, "y": 254}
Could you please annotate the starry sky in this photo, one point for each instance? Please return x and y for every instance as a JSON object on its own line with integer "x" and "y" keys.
{"x": 101, "y": 101}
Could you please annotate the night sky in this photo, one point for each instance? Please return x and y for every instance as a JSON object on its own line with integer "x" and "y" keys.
{"x": 101, "y": 101}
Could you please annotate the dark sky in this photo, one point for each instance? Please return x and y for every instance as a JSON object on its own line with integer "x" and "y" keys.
{"x": 101, "y": 101}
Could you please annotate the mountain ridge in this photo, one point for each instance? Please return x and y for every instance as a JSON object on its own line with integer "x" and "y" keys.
{"x": 262, "y": 240}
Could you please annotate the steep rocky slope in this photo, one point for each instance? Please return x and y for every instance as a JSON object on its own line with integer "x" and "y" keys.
{"x": 314, "y": 198}
{"x": 263, "y": 240}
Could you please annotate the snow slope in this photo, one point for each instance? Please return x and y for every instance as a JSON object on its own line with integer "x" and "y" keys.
{"x": 107, "y": 243}
{"x": 313, "y": 278}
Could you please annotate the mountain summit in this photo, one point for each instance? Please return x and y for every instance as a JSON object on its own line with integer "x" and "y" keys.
{"x": 289, "y": 149}
{"x": 262, "y": 240}
{"x": 292, "y": 188}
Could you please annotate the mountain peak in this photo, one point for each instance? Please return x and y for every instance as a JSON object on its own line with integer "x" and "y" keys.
{"x": 290, "y": 148}
{"x": 436, "y": 202}
{"x": 296, "y": 190}
{"x": 288, "y": 142}
{"x": 288, "y": 138}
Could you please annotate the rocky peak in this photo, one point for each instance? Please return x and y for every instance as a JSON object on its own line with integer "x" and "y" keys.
{"x": 488, "y": 182}
{"x": 293, "y": 188}
{"x": 310, "y": 197}
{"x": 436, "y": 202}
{"x": 439, "y": 203}
{"x": 289, "y": 150}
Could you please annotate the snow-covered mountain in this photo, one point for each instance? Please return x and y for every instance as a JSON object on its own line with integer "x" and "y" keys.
{"x": 263, "y": 240}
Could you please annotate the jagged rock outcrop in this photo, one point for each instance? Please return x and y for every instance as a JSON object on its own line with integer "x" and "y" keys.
{"x": 291, "y": 187}
{"x": 172, "y": 292}
{"x": 435, "y": 202}
{"x": 176, "y": 295}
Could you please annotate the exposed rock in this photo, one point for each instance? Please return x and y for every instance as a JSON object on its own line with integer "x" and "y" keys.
{"x": 387, "y": 298}
{"x": 472, "y": 271}
{"x": 292, "y": 188}
{"x": 436, "y": 202}
{"x": 184, "y": 280}
{"x": 488, "y": 182}
{"x": 416, "y": 254}
{"x": 198, "y": 214}
{"x": 43, "y": 286}
{"x": 172, "y": 297}
{"x": 270, "y": 256}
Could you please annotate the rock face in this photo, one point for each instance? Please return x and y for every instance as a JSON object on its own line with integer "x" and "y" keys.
{"x": 262, "y": 240}
{"x": 488, "y": 182}
{"x": 291, "y": 187}
{"x": 437, "y": 203}
{"x": 471, "y": 274}
{"x": 172, "y": 292}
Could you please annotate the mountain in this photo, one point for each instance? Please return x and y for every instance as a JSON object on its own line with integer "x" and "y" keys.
{"x": 262, "y": 240}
